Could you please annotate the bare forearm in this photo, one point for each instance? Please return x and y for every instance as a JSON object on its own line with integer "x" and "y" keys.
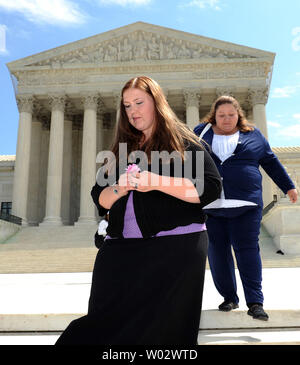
{"x": 109, "y": 196}
{"x": 180, "y": 188}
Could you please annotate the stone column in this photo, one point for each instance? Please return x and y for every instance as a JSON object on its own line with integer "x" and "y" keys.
{"x": 88, "y": 162}
{"x": 192, "y": 99}
{"x": 22, "y": 164}
{"x": 100, "y": 135}
{"x": 44, "y": 151}
{"x": 117, "y": 101}
{"x": 34, "y": 178}
{"x": 67, "y": 169}
{"x": 55, "y": 162}
{"x": 76, "y": 167}
{"x": 258, "y": 98}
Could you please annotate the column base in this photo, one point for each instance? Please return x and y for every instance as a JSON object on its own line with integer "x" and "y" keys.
{"x": 86, "y": 221}
{"x": 51, "y": 221}
{"x": 24, "y": 222}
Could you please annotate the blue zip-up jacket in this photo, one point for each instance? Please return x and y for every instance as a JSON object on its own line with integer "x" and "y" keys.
{"x": 240, "y": 172}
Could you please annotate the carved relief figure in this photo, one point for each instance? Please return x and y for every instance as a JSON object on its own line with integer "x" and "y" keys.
{"x": 184, "y": 52}
{"x": 125, "y": 51}
{"x": 140, "y": 48}
{"x": 153, "y": 50}
{"x": 111, "y": 53}
{"x": 98, "y": 54}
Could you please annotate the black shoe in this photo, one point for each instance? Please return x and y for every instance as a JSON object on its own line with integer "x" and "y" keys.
{"x": 227, "y": 306}
{"x": 257, "y": 312}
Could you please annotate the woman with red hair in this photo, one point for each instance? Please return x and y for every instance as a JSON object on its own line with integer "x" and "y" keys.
{"x": 149, "y": 273}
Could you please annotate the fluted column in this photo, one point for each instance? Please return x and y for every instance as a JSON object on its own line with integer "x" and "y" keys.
{"x": 88, "y": 163}
{"x": 192, "y": 99}
{"x": 100, "y": 134}
{"x": 34, "y": 177}
{"x": 117, "y": 101}
{"x": 258, "y": 99}
{"x": 67, "y": 169}
{"x": 44, "y": 157}
{"x": 55, "y": 162}
{"x": 22, "y": 164}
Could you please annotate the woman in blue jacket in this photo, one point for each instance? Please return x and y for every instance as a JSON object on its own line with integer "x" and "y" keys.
{"x": 238, "y": 149}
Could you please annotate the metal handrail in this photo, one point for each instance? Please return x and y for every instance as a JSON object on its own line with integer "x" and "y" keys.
{"x": 11, "y": 218}
{"x": 269, "y": 207}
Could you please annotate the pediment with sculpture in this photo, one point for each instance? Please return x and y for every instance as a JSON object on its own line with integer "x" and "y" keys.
{"x": 140, "y": 46}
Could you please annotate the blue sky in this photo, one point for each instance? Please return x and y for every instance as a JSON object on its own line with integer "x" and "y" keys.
{"x": 31, "y": 26}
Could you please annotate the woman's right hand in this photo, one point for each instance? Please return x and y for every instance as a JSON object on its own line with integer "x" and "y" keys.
{"x": 123, "y": 185}
{"x": 111, "y": 194}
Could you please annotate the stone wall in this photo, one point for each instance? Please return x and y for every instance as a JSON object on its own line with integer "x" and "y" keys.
{"x": 7, "y": 230}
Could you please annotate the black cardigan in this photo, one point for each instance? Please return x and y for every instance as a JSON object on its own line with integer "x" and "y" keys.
{"x": 156, "y": 211}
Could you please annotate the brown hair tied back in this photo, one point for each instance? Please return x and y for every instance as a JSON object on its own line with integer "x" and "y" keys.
{"x": 243, "y": 124}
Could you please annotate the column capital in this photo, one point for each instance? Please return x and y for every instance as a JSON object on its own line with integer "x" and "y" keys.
{"x": 101, "y": 107}
{"x": 191, "y": 97}
{"x": 25, "y": 103}
{"x": 221, "y": 91}
{"x": 57, "y": 101}
{"x": 117, "y": 97}
{"x": 257, "y": 95}
{"x": 90, "y": 100}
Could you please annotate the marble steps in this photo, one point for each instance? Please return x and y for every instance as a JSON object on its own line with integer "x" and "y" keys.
{"x": 78, "y": 259}
{"x": 49, "y": 249}
{"x": 50, "y": 301}
{"x": 265, "y": 337}
{"x": 52, "y": 274}
{"x": 71, "y": 249}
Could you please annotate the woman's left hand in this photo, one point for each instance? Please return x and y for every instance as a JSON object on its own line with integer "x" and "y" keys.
{"x": 180, "y": 188}
{"x": 143, "y": 181}
{"x": 293, "y": 195}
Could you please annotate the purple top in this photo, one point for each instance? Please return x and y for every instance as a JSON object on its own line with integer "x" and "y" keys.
{"x": 132, "y": 230}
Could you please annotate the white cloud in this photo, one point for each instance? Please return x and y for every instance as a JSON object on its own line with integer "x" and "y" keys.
{"x": 297, "y": 116}
{"x": 296, "y": 41}
{"x": 284, "y": 92}
{"x": 202, "y": 4}
{"x": 62, "y": 12}
{"x": 273, "y": 124}
{"x": 125, "y": 2}
{"x": 3, "y": 50}
{"x": 292, "y": 131}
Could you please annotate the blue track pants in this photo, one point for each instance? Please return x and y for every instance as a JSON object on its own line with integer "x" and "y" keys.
{"x": 241, "y": 233}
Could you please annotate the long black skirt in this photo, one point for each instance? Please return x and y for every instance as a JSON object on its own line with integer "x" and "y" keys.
{"x": 144, "y": 292}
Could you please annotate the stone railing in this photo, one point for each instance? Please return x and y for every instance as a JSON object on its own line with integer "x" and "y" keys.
{"x": 7, "y": 229}
{"x": 294, "y": 173}
{"x": 282, "y": 219}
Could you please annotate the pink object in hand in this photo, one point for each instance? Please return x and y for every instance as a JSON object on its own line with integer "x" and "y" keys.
{"x": 133, "y": 168}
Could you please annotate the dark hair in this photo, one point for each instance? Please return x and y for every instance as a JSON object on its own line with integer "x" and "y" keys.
{"x": 243, "y": 125}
